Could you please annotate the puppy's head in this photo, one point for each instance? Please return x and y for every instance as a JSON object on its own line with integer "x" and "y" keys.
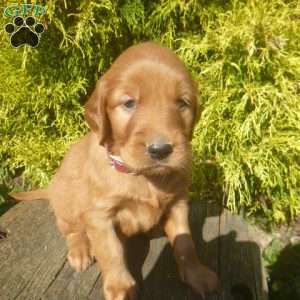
{"x": 144, "y": 107}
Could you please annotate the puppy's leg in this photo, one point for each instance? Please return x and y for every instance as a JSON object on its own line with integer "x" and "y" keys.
{"x": 79, "y": 255}
{"x": 199, "y": 277}
{"x": 118, "y": 283}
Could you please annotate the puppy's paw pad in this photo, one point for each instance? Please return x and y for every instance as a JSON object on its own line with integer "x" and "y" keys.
{"x": 79, "y": 258}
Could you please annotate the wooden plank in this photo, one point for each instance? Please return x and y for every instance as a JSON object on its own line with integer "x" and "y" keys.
{"x": 204, "y": 220}
{"x": 71, "y": 285}
{"x": 240, "y": 261}
{"x": 32, "y": 253}
{"x": 162, "y": 279}
{"x": 33, "y": 259}
{"x": 163, "y": 282}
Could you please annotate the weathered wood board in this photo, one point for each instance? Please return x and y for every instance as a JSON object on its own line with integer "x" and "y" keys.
{"x": 33, "y": 261}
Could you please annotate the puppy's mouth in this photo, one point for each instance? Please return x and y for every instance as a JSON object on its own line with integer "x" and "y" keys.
{"x": 156, "y": 167}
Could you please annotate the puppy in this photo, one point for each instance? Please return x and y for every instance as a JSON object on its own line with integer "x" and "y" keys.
{"x": 131, "y": 173}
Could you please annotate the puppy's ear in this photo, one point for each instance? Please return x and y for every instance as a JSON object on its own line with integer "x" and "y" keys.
{"x": 95, "y": 112}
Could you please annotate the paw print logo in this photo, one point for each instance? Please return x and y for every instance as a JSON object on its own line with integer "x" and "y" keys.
{"x": 24, "y": 31}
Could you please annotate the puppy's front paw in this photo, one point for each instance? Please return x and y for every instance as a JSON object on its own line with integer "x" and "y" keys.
{"x": 120, "y": 286}
{"x": 200, "y": 278}
{"x": 79, "y": 257}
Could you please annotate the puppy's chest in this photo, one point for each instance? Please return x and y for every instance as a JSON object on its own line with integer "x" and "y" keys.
{"x": 138, "y": 215}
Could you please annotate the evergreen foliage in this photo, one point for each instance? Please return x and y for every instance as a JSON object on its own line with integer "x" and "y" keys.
{"x": 244, "y": 54}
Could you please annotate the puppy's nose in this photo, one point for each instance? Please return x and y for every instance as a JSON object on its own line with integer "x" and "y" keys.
{"x": 159, "y": 150}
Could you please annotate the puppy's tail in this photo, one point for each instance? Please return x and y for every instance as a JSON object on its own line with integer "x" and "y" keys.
{"x": 31, "y": 195}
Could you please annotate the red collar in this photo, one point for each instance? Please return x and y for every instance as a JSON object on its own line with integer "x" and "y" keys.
{"x": 117, "y": 162}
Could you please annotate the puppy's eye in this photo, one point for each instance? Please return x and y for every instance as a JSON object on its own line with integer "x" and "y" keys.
{"x": 183, "y": 103}
{"x": 129, "y": 104}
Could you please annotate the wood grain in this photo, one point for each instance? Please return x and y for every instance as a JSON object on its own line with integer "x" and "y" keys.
{"x": 33, "y": 259}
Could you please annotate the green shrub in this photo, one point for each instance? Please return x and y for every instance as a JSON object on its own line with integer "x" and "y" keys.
{"x": 249, "y": 67}
{"x": 284, "y": 276}
{"x": 244, "y": 54}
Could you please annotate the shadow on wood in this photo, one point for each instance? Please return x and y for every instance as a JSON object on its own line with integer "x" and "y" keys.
{"x": 226, "y": 246}
{"x": 33, "y": 259}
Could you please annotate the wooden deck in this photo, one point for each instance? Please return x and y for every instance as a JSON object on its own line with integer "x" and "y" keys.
{"x": 33, "y": 261}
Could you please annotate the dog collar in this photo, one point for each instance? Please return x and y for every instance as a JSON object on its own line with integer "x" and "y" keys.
{"x": 117, "y": 162}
